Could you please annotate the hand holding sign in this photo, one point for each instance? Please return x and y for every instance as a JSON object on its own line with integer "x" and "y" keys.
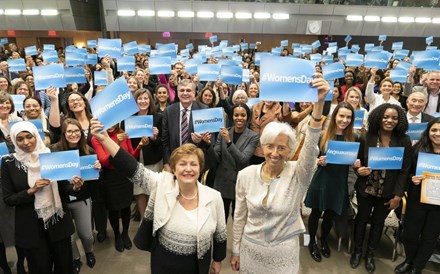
{"x": 39, "y": 183}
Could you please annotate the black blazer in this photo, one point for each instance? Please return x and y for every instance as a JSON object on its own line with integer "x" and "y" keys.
{"x": 171, "y": 128}
{"x": 395, "y": 180}
{"x": 27, "y": 225}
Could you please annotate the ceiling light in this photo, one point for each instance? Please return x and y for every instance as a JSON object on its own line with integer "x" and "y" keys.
{"x": 12, "y": 12}
{"x": 436, "y": 20}
{"x": 225, "y": 14}
{"x": 185, "y": 14}
{"x": 406, "y": 19}
{"x": 147, "y": 13}
{"x": 49, "y": 12}
{"x": 165, "y": 13}
{"x": 354, "y": 18}
{"x": 126, "y": 13}
{"x": 261, "y": 15}
{"x": 243, "y": 15}
{"x": 31, "y": 12}
{"x": 372, "y": 18}
{"x": 280, "y": 16}
{"x": 389, "y": 19}
{"x": 205, "y": 14}
{"x": 423, "y": 20}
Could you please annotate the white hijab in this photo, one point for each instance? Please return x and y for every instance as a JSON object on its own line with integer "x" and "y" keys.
{"x": 47, "y": 200}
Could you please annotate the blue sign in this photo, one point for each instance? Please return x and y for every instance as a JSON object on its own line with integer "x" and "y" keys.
{"x": 431, "y": 48}
{"x": 397, "y": 45}
{"x": 208, "y": 72}
{"x": 144, "y": 48}
{"x": 347, "y": 38}
{"x": 252, "y": 46}
{"x": 190, "y": 46}
{"x": 403, "y": 66}
{"x": 18, "y": 101}
{"x": 100, "y": 78}
{"x": 354, "y": 60}
{"x": 224, "y": 43}
{"x": 428, "y": 60}
{"x": 359, "y": 116}
{"x": 284, "y": 43}
{"x": 131, "y": 48}
{"x": 380, "y": 158}
{"x": 139, "y": 126}
{"x": 333, "y": 71}
{"x": 329, "y": 96}
{"x": 160, "y": 65}
{"x": 228, "y": 52}
{"x": 92, "y": 59}
{"x": 3, "y": 151}
{"x": 110, "y": 47}
{"x": 30, "y": 51}
{"x": 75, "y": 75}
{"x": 184, "y": 52}
{"x": 50, "y": 56}
{"x": 368, "y": 47}
{"x": 213, "y": 39}
{"x": 398, "y": 75}
{"x": 208, "y": 120}
{"x": 332, "y": 49}
{"x": 126, "y": 63}
{"x": 62, "y": 165}
{"x": 91, "y": 44}
{"x": 276, "y": 51}
{"x": 244, "y": 46}
{"x": 49, "y": 76}
{"x": 316, "y": 57}
{"x": 236, "y": 48}
{"x": 3, "y": 41}
{"x": 114, "y": 104}
{"x": 252, "y": 101}
{"x": 429, "y": 39}
{"x": 400, "y": 54}
{"x": 88, "y": 172}
{"x": 16, "y": 64}
{"x": 328, "y": 59}
{"x": 342, "y": 153}
{"x": 287, "y": 79}
{"x": 191, "y": 65}
{"x": 415, "y": 130}
{"x": 168, "y": 50}
{"x": 377, "y": 59}
{"x": 316, "y": 44}
{"x": 231, "y": 75}
{"x": 70, "y": 48}
{"x": 427, "y": 162}
{"x": 227, "y": 62}
{"x": 355, "y": 48}
{"x": 74, "y": 59}
{"x": 382, "y": 37}
{"x": 48, "y": 47}
{"x": 246, "y": 76}
{"x": 307, "y": 48}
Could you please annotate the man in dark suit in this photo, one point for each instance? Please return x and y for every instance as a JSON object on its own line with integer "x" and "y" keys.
{"x": 416, "y": 103}
{"x": 177, "y": 125}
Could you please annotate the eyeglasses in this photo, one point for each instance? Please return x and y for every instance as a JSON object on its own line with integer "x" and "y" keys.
{"x": 71, "y": 101}
{"x": 71, "y": 132}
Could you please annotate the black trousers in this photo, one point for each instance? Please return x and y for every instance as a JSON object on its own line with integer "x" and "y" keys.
{"x": 99, "y": 211}
{"x": 227, "y": 203}
{"x": 376, "y": 208}
{"x": 421, "y": 229}
{"x": 50, "y": 257}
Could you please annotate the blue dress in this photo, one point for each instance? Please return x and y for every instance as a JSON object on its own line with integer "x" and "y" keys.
{"x": 329, "y": 187}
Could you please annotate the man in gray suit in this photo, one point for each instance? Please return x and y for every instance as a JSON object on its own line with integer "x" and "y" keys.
{"x": 177, "y": 125}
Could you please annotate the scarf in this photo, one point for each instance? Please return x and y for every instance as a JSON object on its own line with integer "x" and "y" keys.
{"x": 47, "y": 202}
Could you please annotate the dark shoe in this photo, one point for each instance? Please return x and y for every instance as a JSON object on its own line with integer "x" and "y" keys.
{"x": 101, "y": 237}
{"x": 403, "y": 268}
{"x": 77, "y": 266}
{"x": 314, "y": 252}
{"x": 325, "y": 249}
{"x": 127, "y": 241}
{"x": 91, "y": 260}
{"x": 369, "y": 264}
{"x": 119, "y": 244}
{"x": 355, "y": 259}
{"x": 415, "y": 271}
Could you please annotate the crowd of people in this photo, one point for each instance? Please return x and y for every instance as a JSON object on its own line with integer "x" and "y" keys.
{"x": 268, "y": 160}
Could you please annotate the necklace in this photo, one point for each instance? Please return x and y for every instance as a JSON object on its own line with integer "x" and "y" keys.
{"x": 188, "y": 198}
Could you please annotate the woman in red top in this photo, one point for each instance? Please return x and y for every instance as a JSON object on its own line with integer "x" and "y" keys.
{"x": 116, "y": 188}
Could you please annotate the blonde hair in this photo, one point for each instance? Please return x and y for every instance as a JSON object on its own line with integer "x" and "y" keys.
{"x": 186, "y": 150}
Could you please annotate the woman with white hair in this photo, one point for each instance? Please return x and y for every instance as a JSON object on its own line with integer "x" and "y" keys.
{"x": 267, "y": 220}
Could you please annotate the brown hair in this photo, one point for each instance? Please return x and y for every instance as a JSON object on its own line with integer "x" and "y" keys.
{"x": 139, "y": 92}
{"x": 87, "y": 108}
{"x": 4, "y": 96}
{"x": 64, "y": 144}
{"x": 186, "y": 150}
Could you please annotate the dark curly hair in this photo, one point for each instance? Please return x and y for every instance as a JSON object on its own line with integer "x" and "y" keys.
{"x": 425, "y": 144}
{"x": 375, "y": 120}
